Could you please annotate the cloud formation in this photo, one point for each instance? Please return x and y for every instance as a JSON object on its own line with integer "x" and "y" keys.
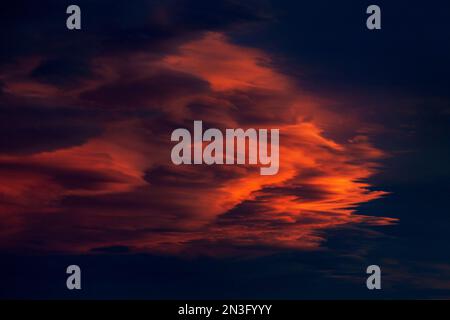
{"x": 85, "y": 154}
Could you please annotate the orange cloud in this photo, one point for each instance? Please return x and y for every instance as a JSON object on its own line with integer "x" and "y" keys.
{"x": 120, "y": 188}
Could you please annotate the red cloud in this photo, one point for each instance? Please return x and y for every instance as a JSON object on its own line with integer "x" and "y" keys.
{"x": 120, "y": 187}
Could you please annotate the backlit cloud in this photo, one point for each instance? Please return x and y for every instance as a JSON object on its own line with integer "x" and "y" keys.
{"x": 111, "y": 183}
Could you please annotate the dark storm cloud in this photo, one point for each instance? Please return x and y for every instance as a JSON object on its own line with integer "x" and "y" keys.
{"x": 150, "y": 91}
{"x": 39, "y": 28}
{"x": 218, "y": 14}
{"x": 31, "y": 29}
{"x": 67, "y": 178}
{"x": 209, "y": 177}
{"x": 62, "y": 72}
{"x": 29, "y": 129}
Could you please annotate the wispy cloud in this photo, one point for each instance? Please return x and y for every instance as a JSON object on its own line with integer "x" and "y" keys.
{"x": 116, "y": 186}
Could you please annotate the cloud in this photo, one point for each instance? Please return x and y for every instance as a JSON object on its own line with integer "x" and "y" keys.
{"x": 134, "y": 93}
{"x": 112, "y": 28}
{"x": 26, "y": 129}
{"x": 116, "y": 187}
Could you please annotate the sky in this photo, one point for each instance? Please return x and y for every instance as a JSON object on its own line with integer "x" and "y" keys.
{"x": 85, "y": 123}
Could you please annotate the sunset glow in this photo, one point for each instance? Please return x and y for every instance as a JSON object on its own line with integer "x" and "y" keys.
{"x": 118, "y": 187}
